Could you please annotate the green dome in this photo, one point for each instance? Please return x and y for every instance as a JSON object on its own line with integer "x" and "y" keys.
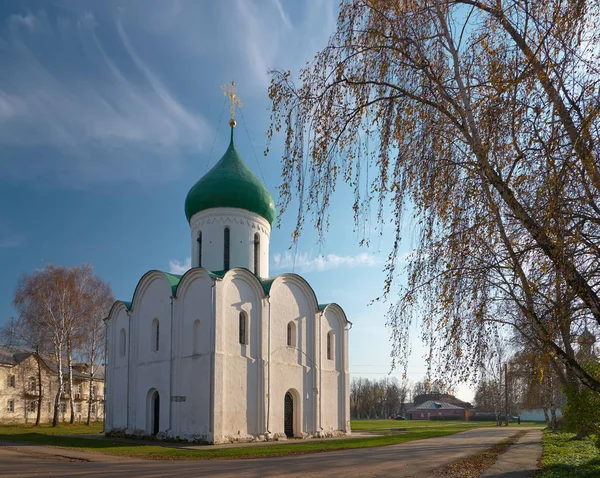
{"x": 230, "y": 183}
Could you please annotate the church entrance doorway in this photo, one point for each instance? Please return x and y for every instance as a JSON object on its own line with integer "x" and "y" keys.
{"x": 155, "y": 413}
{"x": 289, "y": 415}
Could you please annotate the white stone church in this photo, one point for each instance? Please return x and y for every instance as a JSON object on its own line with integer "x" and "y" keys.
{"x": 226, "y": 352}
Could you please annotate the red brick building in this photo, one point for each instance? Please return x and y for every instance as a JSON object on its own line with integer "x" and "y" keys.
{"x": 435, "y": 410}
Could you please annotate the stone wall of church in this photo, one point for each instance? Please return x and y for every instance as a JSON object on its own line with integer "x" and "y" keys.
{"x": 118, "y": 367}
{"x": 294, "y": 368}
{"x": 193, "y": 348}
{"x": 243, "y": 225}
{"x": 239, "y": 370}
{"x": 334, "y": 386}
{"x": 150, "y": 357}
{"x": 225, "y": 384}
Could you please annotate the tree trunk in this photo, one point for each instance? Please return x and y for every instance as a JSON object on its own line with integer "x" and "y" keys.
{"x": 40, "y": 387}
{"x": 90, "y": 397}
{"x": 60, "y": 387}
{"x": 547, "y": 417}
{"x": 553, "y": 415}
{"x": 70, "y": 366}
{"x": 582, "y": 432}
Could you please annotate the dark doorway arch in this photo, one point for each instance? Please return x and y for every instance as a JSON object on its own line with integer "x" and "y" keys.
{"x": 155, "y": 413}
{"x": 288, "y": 413}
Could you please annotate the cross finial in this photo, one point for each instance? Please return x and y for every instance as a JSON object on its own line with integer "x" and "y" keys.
{"x": 234, "y": 100}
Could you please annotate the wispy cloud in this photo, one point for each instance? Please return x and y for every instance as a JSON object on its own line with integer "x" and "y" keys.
{"x": 12, "y": 241}
{"x": 305, "y": 262}
{"x": 179, "y": 268}
{"x": 282, "y": 13}
{"x": 111, "y": 118}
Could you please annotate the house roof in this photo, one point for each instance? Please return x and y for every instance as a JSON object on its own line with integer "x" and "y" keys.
{"x": 12, "y": 355}
{"x": 437, "y": 405}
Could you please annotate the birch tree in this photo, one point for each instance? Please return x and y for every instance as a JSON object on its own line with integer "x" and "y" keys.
{"x": 479, "y": 117}
{"x": 99, "y": 300}
{"x": 57, "y": 299}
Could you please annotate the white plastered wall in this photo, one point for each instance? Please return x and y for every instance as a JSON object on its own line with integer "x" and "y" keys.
{"x": 192, "y": 346}
{"x": 293, "y": 368}
{"x": 150, "y": 369}
{"x": 238, "y": 368}
{"x": 117, "y": 374}
{"x": 243, "y": 225}
{"x": 335, "y": 406}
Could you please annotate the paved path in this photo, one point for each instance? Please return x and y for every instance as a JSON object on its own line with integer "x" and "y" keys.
{"x": 520, "y": 461}
{"x": 412, "y": 459}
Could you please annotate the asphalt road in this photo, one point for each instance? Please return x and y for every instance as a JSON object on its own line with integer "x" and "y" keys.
{"x": 412, "y": 459}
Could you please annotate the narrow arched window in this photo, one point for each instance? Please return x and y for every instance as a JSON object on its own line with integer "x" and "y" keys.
{"x": 155, "y": 335}
{"x": 291, "y": 334}
{"x": 329, "y": 346}
{"x": 243, "y": 328}
{"x": 256, "y": 253}
{"x": 196, "y": 337}
{"x": 226, "y": 249}
{"x": 123, "y": 343}
{"x": 199, "y": 248}
{"x": 31, "y": 385}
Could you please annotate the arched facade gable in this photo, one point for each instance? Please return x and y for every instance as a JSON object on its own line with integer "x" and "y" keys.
{"x": 302, "y": 284}
{"x": 248, "y": 277}
{"x": 338, "y": 312}
{"x": 189, "y": 277}
{"x": 147, "y": 279}
{"x": 117, "y": 307}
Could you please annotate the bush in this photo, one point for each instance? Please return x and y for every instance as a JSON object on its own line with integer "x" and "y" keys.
{"x": 581, "y": 413}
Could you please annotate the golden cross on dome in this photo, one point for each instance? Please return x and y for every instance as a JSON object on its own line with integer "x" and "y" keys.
{"x": 234, "y": 100}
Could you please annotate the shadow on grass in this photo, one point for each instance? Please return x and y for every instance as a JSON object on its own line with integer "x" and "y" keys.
{"x": 588, "y": 469}
{"x": 16, "y": 439}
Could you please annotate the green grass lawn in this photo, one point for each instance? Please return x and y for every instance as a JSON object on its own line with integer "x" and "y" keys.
{"x": 381, "y": 426}
{"x": 45, "y": 429}
{"x": 63, "y": 437}
{"x": 564, "y": 457}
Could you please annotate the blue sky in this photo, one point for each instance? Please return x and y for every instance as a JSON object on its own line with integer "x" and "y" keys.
{"x": 108, "y": 115}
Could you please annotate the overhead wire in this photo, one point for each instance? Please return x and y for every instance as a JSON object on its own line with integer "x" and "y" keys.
{"x": 216, "y": 134}
{"x": 252, "y": 148}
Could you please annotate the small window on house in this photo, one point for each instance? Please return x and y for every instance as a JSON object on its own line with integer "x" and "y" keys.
{"x": 10, "y": 381}
{"x": 93, "y": 408}
{"x": 199, "y": 248}
{"x": 94, "y": 391}
{"x": 226, "y": 249}
{"x": 196, "y": 337}
{"x": 291, "y": 334}
{"x": 123, "y": 343}
{"x": 79, "y": 391}
{"x": 155, "y": 335}
{"x": 256, "y": 253}
{"x": 31, "y": 385}
{"x": 242, "y": 328}
{"x": 32, "y": 406}
{"x": 10, "y": 406}
{"x": 329, "y": 346}
{"x": 78, "y": 408}
{"x": 49, "y": 407}
{"x": 63, "y": 407}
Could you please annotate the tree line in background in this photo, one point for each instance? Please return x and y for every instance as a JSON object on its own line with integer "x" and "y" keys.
{"x": 382, "y": 398}
{"x": 484, "y": 118}
{"x": 60, "y": 317}
{"x": 389, "y": 397}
